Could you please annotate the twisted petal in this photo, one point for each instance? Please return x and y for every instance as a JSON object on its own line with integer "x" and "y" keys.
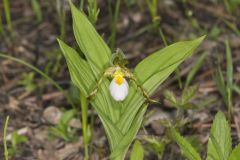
{"x": 119, "y": 92}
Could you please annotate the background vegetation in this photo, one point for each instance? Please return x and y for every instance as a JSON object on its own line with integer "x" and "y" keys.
{"x": 48, "y": 118}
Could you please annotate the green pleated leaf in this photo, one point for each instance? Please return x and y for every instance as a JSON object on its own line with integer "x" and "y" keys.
{"x": 152, "y": 71}
{"x": 235, "y": 155}
{"x": 85, "y": 73}
{"x": 90, "y": 42}
{"x": 186, "y": 148}
{"x": 137, "y": 151}
{"x": 125, "y": 142}
{"x": 121, "y": 120}
{"x": 165, "y": 58}
{"x": 220, "y": 142}
{"x": 82, "y": 76}
{"x": 98, "y": 57}
{"x": 80, "y": 71}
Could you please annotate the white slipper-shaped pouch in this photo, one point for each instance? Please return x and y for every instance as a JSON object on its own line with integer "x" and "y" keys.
{"x": 119, "y": 87}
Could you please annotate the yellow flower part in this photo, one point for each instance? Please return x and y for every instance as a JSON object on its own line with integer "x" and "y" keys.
{"x": 119, "y": 86}
{"x": 118, "y": 77}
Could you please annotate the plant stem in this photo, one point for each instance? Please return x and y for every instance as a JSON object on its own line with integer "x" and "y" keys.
{"x": 163, "y": 37}
{"x": 91, "y": 126}
{"x": 229, "y": 101}
{"x": 81, "y": 5}
{"x": 114, "y": 18}
{"x": 229, "y": 85}
{"x": 5, "y": 139}
{"x": 63, "y": 24}
{"x": 1, "y": 23}
{"x": 37, "y": 9}
{"x": 84, "y": 108}
{"x": 61, "y": 17}
{"x": 8, "y": 15}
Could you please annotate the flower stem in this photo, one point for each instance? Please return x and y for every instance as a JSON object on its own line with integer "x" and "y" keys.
{"x": 84, "y": 108}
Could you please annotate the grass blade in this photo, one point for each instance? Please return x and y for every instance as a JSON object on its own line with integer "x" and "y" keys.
{"x": 39, "y": 72}
{"x": 229, "y": 77}
{"x": 8, "y": 15}
{"x": 5, "y": 139}
{"x": 219, "y": 79}
{"x": 229, "y": 64}
{"x": 81, "y": 5}
{"x": 114, "y": 19}
{"x": 1, "y": 23}
{"x": 37, "y": 9}
{"x": 197, "y": 65}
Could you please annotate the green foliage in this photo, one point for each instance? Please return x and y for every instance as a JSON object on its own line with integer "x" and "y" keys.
{"x": 1, "y": 24}
{"x": 93, "y": 11}
{"x": 2, "y": 55}
{"x": 171, "y": 97}
{"x": 82, "y": 4}
{"x": 219, "y": 79}
{"x": 197, "y": 65}
{"x": 54, "y": 61}
{"x": 137, "y": 151}
{"x": 188, "y": 94}
{"x": 61, "y": 11}
{"x": 5, "y": 138}
{"x": 121, "y": 121}
{"x": 195, "y": 141}
{"x": 16, "y": 140}
{"x": 27, "y": 81}
{"x": 152, "y": 6}
{"x": 233, "y": 27}
{"x": 185, "y": 146}
{"x": 118, "y": 58}
{"x": 86, "y": 137}
{"x": 130, "y": 3}
{"x": 185, "y": 101}
{"x": 231, "y": 5}
{"x": 74, "y": 93}
{"x": 37, "y": 9}
{"x": 8, "y": 15}
{"x": 62, "y": 129}
{"x": 114, "y": 14}
{"x": 236, "y": 88}
{"x": 225, "y": 88}
{"x": 156, "y": 145}
{"x": 235, "y": 153}
{"x": 229, "y": 75}
{"x": 215, "y": 32}
{"x": 219, "y": 143}
{"x": 153, "y": 9}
